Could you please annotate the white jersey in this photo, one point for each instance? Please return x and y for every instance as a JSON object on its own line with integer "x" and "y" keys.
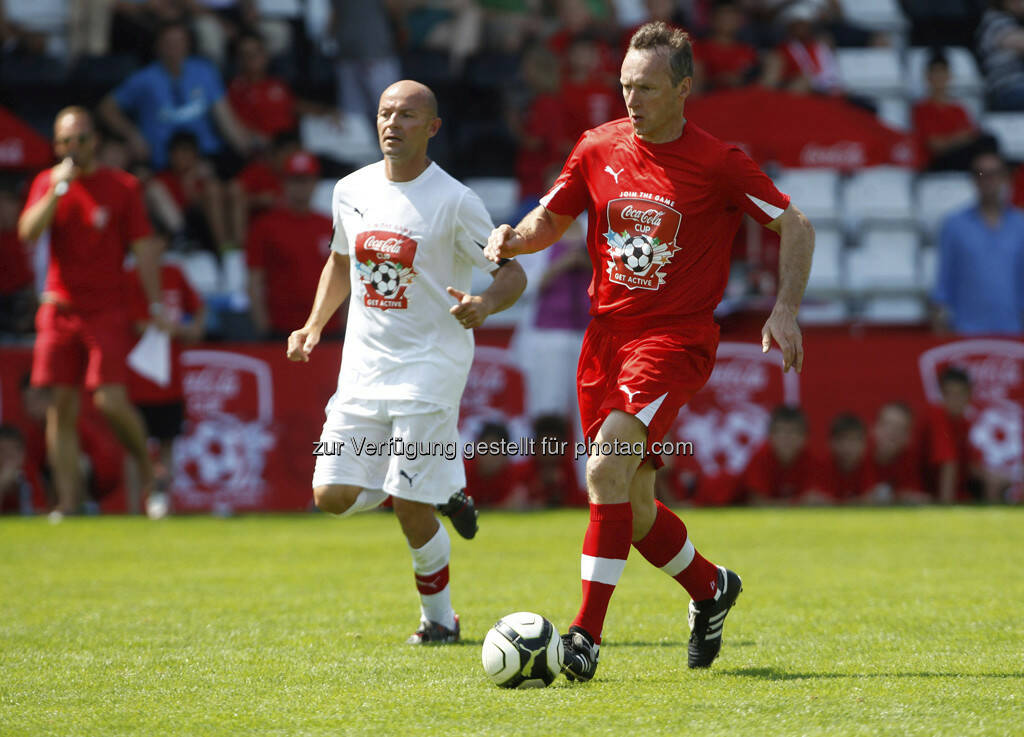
{"x": 407, "y": 242}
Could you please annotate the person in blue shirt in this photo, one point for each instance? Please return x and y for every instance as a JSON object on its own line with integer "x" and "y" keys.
{"x": 177, "y": 92}
{"x": 980, "y": 283}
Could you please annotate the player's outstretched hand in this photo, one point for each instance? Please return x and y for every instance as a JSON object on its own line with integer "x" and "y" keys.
{"x": 471, "y": 311}
{"x": 502, "y": 243}
{"x": 783, "y": 328}
{"x": 301, "y": 343}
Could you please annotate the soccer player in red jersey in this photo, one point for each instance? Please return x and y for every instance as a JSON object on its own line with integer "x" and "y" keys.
{"x": 93, "y": 216}
{"x": 664, "y": 200}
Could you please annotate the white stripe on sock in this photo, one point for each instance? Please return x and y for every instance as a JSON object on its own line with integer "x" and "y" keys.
{"x": 681, "y": 560}
{"x": 601, "y": 570}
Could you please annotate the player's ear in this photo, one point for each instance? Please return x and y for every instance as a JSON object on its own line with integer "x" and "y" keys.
{"x": 435, "y": 126}
{"x": 685, "y": 87}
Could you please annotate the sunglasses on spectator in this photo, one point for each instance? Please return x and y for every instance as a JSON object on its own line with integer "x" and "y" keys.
{"x": 80, "y": 138}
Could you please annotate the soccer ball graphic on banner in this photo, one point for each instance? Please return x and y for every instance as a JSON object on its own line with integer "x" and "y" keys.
{"x": 384, "y": 279}
{"x": 523, "y": 650}
{"x": 637, "y": 253}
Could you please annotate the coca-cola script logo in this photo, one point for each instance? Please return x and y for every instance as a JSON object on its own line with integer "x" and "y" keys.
{"x": 384, "y": 264}
{"x": 641, "y": 240}
{"x": 219, "y": 463}
{"x": 727, "y": 420}
{"x": 996, "y": 370}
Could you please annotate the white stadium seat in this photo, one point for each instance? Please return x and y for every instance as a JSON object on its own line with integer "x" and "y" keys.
{"x": 885, "y": 260}
{"x": 874, "y": 71}
{"x": 500, "y": 196}
{"x": 827, "y": 265}
{"x": 964, "y": 77}
{"x": 828, "y": 312}
{"x": 929, "y": 265}
{"x": 1008, "y": 128}
{"x": 323, "y": 197}
{"x": 895, "y": 112}
{"x": 899, "y": 310}
{"x": 352, "y": 140}
{"x": 236, "y": 277}
{"x": 202, "y": 272}
{"x": 876, "y": 15}
{"x": 879, "y": 193}
{"x": 942, "y": 194}
{"x": 815, "y": 192}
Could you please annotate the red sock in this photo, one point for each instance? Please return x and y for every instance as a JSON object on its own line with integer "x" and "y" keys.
{"x": 605, "y": 549}
{"x": 667, "y": 547}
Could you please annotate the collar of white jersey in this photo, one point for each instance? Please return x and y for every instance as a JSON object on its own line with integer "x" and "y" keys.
{"x": 431, "y": 168}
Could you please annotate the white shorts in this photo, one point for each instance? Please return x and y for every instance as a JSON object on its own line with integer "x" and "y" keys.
{"x": 409, "y": 449}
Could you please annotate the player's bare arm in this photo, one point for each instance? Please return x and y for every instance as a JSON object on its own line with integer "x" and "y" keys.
{"x": 508, "y": 282}
{"x": 37, "y": 218}
{"x": 147, "y": 258}
{"x": 332, "y": 289}
{"x": 535, "y": 232}
{"x": 795, "y": 252}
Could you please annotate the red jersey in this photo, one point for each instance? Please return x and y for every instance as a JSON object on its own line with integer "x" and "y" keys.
{"x": 590, "y": 104}
{"x": 902, "y": 473}
{"x": 178, "y": 299}
{"x": 844, "y": 486}
{"x": 15, "y": 273}
{"x": 266, "y": 106}
{"x": 662, "y": 218}
{"x": 291, "y": 248}
{"x": 259, "y": 179}
{"x": 1018, "y": 187}
{"x": 96, "y": 222}
{"x": 545, "y": 122}
{"x": 945, "y": 438}
{"x": 493, "y": 491}
{"x": 181, "y": 193}
{"x": 767, "y": 477}
{"x": 723, "y": 62}
{"x": 938, "y": 119}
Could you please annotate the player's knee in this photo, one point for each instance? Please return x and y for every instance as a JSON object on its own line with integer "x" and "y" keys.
{"x": 416, "y": 519}
{"x": 607, "y": 479}
{"x": 335, "y": 498}
{"x": 109, "y": 400}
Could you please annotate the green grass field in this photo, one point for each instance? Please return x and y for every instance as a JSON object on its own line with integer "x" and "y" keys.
{"x": 852, "y": 622}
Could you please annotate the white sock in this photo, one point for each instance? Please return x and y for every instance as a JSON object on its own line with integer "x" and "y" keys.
{"x": 367, "y": 499}
{"x": 430, "y": 564}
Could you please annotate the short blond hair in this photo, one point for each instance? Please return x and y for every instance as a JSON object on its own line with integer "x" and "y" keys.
{"x": 660, "y": 35}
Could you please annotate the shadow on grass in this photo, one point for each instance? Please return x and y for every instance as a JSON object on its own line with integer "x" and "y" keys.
{"x": 777, "y": 674}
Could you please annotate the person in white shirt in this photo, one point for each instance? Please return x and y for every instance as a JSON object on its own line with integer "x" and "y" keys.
{"x": 406, "y": 236}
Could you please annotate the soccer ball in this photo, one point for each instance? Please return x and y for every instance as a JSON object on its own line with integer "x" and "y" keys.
{"x": 384, "y": 279}
{"x": 637, "y": 253}
{"x": 523, "y": 650}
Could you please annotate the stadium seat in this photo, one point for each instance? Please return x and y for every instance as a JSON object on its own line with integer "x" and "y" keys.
{"x": 894, "y": 310}
{"x": 235, "y": 275}
{"x": 203, "y": 272}
{"x": 1008, "y": 128}
{"x": 323, "y": 196}
{"x": 880, "y": 193}
{"x": 828, "y": 312}
{"x": 939, "y": 195}
{"x": 876, "y": 15}
{"x": 929, "y": 265}
{"x": 353, "y": 141}
{"x": 965, "y": 79}
{"x": 875, "y": 71}
{"x": 895, "y": 112}
{"x": 885, "y": 260}
{"x": 500, "y": 195}
{"x": 827, "y": 266}
{"x": 816, "y": 192}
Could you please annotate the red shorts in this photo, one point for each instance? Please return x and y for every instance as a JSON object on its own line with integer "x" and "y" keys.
{"x": 80, "y": 348}
{"x": 648, "y": 373}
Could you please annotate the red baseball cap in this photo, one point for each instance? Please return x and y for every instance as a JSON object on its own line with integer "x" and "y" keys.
{"x": 302, "y": 164}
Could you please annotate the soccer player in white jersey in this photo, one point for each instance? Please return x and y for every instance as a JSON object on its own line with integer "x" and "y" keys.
{"x": 406, "y": 237}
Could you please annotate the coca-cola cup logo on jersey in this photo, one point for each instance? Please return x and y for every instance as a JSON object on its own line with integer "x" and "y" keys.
{"x": 384, "y": 263}
{"x": 641, "y": 240}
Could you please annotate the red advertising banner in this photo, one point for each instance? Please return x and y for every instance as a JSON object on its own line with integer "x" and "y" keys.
{"x": 253, "y": 416}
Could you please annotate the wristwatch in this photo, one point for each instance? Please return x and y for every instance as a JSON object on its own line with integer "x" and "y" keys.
{"x": 60, "y": 188}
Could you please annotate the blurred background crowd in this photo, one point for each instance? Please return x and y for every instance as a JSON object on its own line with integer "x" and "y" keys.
{"x": 239, "y": 115}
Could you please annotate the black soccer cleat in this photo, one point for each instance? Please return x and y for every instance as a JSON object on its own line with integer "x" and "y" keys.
{"x": 432, "y": 633}
{"x": 707, "y": 619}
{"x": 462, "y": 512}
{"x": 579, "y": 658}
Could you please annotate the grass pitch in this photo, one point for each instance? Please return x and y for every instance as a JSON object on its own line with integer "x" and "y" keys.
{"x": 852, "y": 622}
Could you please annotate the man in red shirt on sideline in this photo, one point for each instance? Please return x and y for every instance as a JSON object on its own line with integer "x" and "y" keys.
{"x": 847, "y": 472}
{"x": 93, "y": 216}
{"x": 664, "y": 201}
{"x": 285, "y": 252}
{"x": 163, "y": 407}
{"x": 895, "y": 474}
{"x": 946, "y": 135}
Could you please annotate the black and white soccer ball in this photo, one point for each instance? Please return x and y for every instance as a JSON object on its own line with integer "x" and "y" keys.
{"x": 637, "y": 253}
{"x": 384, "y": 279}
{"x": 523, "y": 650}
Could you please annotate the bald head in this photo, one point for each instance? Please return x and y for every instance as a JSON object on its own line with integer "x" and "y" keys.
{"x": 412, "y": 94}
